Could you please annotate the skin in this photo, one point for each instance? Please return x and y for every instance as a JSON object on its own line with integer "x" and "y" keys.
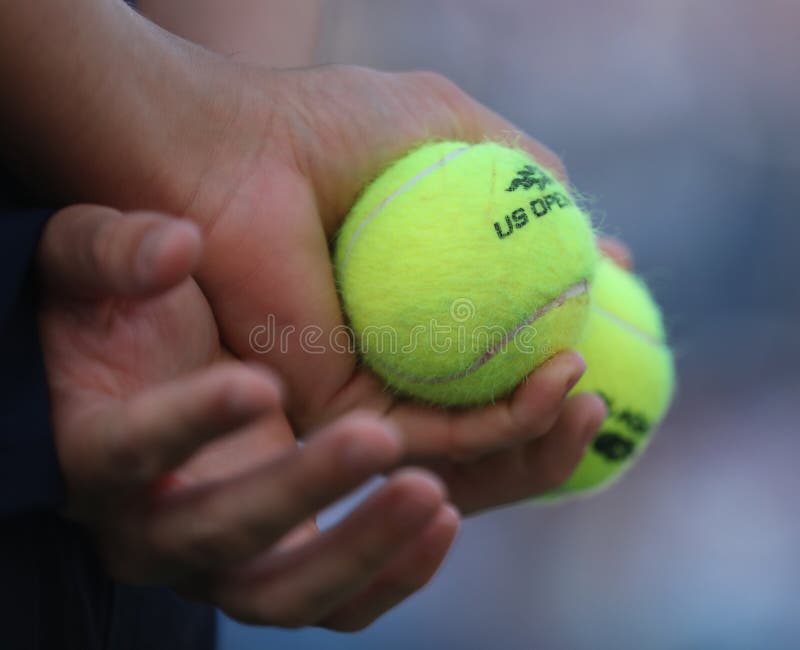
{"x": 260, "y": 167}
{"x": 207, "y": 138}
{"x": 274, "y": 33}
{"x": 179, "y": 458}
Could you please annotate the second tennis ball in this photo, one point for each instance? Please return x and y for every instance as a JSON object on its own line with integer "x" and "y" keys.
{"x": 628, "y": 364}
{"x": 462, "y": 268}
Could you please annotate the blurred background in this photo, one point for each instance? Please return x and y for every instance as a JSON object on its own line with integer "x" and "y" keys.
{"x": 681, "y": 120}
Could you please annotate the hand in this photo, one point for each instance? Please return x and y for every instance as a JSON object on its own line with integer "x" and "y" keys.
{"x": 297, "y": 150}
{"x": 180, "y": 460}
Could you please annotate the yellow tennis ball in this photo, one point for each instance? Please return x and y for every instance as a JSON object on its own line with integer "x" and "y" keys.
{"x": 461, "y": 268}
{"x": 630, "y": 366}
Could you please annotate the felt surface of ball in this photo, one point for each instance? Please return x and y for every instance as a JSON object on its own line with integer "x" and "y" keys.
{"x": 461, "y": 268}
{"x": 630, "y": 365}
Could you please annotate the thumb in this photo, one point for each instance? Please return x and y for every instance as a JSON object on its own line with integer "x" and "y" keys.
{"x": 90, "y": 251}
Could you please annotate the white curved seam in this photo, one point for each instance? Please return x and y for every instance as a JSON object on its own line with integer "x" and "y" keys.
{"x": 644, "y": 336}
{"x": 572, "y": 291}
{"x": 411, "y": 182}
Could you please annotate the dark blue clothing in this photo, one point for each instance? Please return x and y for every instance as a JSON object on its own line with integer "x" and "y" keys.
{"x": 29, "y": 475}
{"x": 54, "y": 593}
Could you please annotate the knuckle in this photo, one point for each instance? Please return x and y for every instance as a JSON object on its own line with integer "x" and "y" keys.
{"x": 439, "y": 84}
{"x": 458, "y": 105}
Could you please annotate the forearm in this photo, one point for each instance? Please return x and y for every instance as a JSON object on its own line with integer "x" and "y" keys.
{"x": 91, "y": 90}
{"x": 274, "y": 33}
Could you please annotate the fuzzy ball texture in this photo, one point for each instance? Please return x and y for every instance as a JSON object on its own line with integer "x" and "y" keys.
{"x": 462, "y": 268}
{"x": 628, "y": 364}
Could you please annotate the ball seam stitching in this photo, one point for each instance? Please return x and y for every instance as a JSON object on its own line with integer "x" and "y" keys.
{"x": 410, "y": 183}
{"x": 573, "y": 291}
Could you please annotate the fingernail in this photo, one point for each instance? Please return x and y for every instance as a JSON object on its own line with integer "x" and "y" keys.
{"x": 413, "y": 510}
{"x": 575, "y": 376}
{"x": 150, "y": 249}
{"x": 381, "y": 447}
{"x": 453, "y": 512}
{"x": 589, "y": 432}
{"x": 275, "y": 380}
{"x": 595, "y": 424}
{"x": 250, "y": 399}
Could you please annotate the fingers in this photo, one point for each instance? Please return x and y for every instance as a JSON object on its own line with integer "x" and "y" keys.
{"x": 304, "y": 586}
{"x": 551, "y": 460}
{"x": 411, "y": 570}
{"x": 233, "y": 520}
{"x": 532, "y": 469}
{"x": 90, "y": 251}
{"x": 530, "y": 412}
{"x": 617, "y": 251}
{"x": 157, "y": 430}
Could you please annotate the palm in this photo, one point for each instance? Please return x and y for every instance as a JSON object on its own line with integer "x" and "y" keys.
{"x": 100, "y": 354}
{"x": 115, "y": 348}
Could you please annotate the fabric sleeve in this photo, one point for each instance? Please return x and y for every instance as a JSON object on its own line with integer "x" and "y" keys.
{"x": 30, "y": 477}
